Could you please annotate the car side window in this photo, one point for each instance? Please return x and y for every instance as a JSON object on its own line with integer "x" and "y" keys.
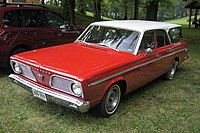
{"x": 12, "y": 18}
{"x": 147, "y": 41}
{"x": 162, "y": 38}
{"x": 55, "y": 21}
{"x": 32, "y": 18}
{"x": 175, "y": 34}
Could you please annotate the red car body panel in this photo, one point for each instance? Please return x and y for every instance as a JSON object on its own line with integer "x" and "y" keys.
{"x": 96, "y": 68}
{"x": 80, "y": 60}
{"x": 107, "y": 60}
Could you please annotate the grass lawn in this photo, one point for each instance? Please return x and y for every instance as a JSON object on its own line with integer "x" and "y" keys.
{"x": 160, "y": 106}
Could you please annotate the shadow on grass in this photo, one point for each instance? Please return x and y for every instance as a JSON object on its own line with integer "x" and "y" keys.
{"x": 65, "y": 113}
{"x": 3, "y": 72}
{"x": 132, "y": 99}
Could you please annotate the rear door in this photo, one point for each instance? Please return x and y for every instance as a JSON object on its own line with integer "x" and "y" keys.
{"x": 164, "y": 51}
{"x": 33, "y": 26}
{"x": 59, "y": 29}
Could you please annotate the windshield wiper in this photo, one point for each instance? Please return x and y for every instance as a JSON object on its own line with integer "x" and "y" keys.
{"x": 102, "y": 44}
{"x": 83, "y": 42}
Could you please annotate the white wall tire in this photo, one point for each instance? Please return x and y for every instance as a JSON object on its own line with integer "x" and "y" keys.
{"x": 110, "y": 101}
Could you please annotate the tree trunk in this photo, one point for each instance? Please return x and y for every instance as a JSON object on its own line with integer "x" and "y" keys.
{"x": 81, "y": 6}
{"x": 136, "y": 10}
{"x": 71, "y": 5}
{"x": 195, "y": 19}
{"x": 196, "y": 13}
{"x": 66, "y": 9}
{"x": 97, "y": 8}
{"x": 55, "y": 2}
{"x": 125, "y": 10}
{"x": 152, "y": 10}
{"x": 51, "y": 2}
{"x": 43, "y": 2}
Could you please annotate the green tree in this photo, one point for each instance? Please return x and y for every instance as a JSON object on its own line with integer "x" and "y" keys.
{"x": 81, "y": 6}
{"x": 152, "y": 7}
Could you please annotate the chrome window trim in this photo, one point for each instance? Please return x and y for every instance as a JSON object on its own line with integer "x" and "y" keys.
{"x": 92, "y": 26}
{"x": 11, "y": 63}
{"x": 70, "y": 91}
{"x": 134, "y": 67}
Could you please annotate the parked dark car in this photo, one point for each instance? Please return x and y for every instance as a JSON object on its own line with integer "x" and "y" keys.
{"x": 25, "y": 27}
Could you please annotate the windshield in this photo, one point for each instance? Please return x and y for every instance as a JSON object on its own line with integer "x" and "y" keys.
{"x": 119, "y": 39}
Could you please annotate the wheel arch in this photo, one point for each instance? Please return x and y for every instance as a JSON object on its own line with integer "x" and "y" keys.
{"x": 120, "y": 81}
{"x": 5, "y": 63}
{"x": 177, "y": 59}
{"x": 111, "y": 99}
{"x": 21, "y": 46}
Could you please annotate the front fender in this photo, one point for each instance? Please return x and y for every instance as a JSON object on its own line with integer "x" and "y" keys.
{"x": 111, "y": 82}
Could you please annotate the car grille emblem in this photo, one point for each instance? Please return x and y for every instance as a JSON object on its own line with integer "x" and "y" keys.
{"x": 40, "y": 76}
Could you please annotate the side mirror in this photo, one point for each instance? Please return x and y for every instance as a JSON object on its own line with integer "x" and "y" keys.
{"x": 65, "y": 25}
{"x": 149, "y": 50}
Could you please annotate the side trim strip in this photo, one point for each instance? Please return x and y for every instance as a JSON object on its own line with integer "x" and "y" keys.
{"x": 135, "y": 67}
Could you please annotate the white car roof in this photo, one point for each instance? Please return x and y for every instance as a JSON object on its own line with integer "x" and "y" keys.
{"x": 136, "y": 25}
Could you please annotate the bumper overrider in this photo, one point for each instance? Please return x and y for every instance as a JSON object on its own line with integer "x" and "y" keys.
{"x": 63, "y": 100}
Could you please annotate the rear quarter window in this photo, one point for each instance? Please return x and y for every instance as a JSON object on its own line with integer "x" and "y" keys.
{"x": 175, "y": 34}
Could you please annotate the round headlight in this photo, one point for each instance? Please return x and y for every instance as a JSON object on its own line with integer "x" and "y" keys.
{"x": 17, "y": 68}
{"x": 76, "y": 89}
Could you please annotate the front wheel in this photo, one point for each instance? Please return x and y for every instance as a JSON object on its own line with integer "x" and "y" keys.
{"x": 110, "y": 101}
{"x": 172, "y": 71}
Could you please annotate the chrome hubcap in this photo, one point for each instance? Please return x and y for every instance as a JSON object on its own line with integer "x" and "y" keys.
{"x": 112, "y": 99}
{"x": 173, "y": 69}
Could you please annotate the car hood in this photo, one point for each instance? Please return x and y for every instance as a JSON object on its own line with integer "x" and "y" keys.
{"x": 77, "y": 59}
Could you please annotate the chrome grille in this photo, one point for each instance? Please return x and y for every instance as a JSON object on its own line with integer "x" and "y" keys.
{"x": 61, "y": 84}
{"x": 27, "y": 72}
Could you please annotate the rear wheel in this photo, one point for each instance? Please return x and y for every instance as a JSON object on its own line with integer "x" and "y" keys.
{"x": 172, "y": 70}
{"x": 110, "y": 101}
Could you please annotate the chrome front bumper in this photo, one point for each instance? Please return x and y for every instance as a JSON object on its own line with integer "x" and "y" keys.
{"x": 64, "y": 100}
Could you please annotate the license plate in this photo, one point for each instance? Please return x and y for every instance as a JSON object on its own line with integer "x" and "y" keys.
{"x": 39, "y": 95}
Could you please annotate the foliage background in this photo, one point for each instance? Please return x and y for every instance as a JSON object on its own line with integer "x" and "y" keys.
{"x": 160, "y": 106}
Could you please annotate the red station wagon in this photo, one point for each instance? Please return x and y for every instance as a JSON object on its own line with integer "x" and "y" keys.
{"x": 108, "y": 60}
{"x": 26, "y": 27}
